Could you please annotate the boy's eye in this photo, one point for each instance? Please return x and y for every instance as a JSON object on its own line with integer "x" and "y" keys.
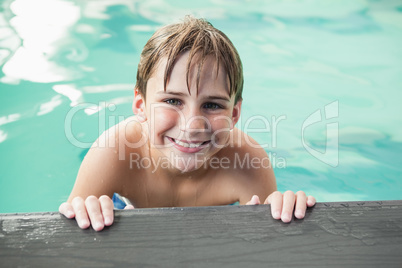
{"x": 212, "y": 106}
{"x": 174, "y": 102}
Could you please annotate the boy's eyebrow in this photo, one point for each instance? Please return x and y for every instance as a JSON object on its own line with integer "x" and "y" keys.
{"x": 171, "y": 93}
{"x": 219, "y": 98}
{"x": 184, "y": 94}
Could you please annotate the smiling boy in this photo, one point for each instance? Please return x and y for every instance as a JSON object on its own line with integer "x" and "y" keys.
{"x": 182, "y": 148}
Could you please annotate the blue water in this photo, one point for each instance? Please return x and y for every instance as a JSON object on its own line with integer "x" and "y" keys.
{"x": 331, "y": 70}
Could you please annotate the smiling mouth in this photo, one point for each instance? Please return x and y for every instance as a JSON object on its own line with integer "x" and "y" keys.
{"x": 188, "y": 144}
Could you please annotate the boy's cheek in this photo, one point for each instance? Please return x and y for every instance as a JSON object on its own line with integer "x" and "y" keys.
{"x": 160, "y": 120}
{"x": 220, "y": 131}
{"x": 161, "y": 117}
{"x": 221, "y": 123}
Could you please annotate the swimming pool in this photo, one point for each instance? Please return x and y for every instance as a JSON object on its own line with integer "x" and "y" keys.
{"x": 322, "y": 89}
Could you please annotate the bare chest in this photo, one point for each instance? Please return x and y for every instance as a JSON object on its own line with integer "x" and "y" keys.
{"x": 151, "y": 190}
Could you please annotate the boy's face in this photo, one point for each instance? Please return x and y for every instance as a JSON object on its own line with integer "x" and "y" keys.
{"x": 187, "y": 128}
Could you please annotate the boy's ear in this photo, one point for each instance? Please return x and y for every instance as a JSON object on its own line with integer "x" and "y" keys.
{"x": 139, "y": 107}
{"x": 236, "y": 113}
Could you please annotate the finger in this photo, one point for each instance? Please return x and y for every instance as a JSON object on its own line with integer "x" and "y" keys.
{"x": 81, "y": 215}
{"x": 288, "y": 205}
{"x": 255, "y": 200}
{"x": 275, "y": 199}
{"x": 94, "y": 212}
{"x": 129, "y": 207}
{"x": 269, "y": 198}
{"x": 301, "y": 205}
{"x": 310, "y": 201}
{"x": 67, "y": 210}
{"x": 107, "y": 209}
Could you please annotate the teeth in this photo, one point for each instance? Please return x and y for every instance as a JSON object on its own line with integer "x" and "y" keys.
{"x": 188, "y": 145}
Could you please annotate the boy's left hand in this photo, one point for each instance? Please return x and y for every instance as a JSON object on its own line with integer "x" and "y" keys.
{"x": 282, "y": 205}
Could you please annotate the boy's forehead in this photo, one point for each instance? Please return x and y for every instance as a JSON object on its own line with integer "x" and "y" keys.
{"x": 209, "y": 74}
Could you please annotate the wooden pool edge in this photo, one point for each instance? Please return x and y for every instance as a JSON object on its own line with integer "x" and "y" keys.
{"x": 348, "y": 234}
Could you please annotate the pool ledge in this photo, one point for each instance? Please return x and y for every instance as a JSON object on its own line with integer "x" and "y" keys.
{"x": 347, "y": 234}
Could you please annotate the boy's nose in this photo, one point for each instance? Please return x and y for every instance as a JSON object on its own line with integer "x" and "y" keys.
{"x": 195, "y": 122}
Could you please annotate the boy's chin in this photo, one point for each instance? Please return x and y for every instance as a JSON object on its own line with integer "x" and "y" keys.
{"x": 187, "y": 167}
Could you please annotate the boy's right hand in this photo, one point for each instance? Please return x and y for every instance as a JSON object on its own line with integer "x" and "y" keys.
{"x": 94, "y": 211}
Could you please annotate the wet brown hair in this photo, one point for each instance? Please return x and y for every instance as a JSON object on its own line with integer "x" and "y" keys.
{"x": 200, "y": 38}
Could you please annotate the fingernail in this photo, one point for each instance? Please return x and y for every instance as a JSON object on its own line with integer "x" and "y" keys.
{"x": 277, "y": 214}
{"x": 108, "y": 221}
{"x": 97, "y": 225}
{"x": 286, "y": 217}
{"x": 299, "y": 213}
{"x": 83, "y": 223}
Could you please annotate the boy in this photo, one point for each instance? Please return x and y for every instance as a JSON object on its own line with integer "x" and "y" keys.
{"x": 181, "y": 148}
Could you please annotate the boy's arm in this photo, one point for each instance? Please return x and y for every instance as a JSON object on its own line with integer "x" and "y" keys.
{"x": 98, "y": 178}
{"x": 261, "y": 183}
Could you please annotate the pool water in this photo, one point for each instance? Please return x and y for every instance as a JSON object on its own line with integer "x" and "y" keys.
{"x": 322, "y": 90}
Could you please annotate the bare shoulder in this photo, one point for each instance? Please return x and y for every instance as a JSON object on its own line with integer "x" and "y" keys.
{"x": 116, "y": 144}
{"x": 251, "y": 167}
{"x": 130, "y": 133}
{"x": 104, "y": 168}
